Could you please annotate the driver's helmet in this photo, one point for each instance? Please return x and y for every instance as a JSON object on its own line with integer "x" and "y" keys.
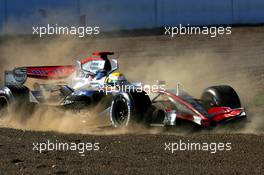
{"x": 115, "y": 77}
{"x": 100, "y": 74}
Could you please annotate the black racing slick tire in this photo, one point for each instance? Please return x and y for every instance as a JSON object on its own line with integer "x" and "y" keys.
{"x": 128, "y": 108}
{"x": 18, "y": 96}
{"x": 220, "y": 96}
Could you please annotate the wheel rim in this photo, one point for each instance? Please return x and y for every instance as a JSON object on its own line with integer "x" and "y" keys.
{"x": 121, "y": 112}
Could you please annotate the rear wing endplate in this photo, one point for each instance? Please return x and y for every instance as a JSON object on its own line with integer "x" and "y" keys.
{"x": 15, "y": 79}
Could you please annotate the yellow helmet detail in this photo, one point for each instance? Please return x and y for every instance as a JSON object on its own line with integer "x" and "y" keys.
{"x": 115, "y": 77}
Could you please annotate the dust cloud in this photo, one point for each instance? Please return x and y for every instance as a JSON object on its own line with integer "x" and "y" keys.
{"x": 195, "y": 63}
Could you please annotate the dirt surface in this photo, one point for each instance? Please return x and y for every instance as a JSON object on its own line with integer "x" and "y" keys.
{"x": 195, "y": 61}
{"x": 129, "y": 154}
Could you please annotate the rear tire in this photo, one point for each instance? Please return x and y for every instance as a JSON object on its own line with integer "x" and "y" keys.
{"x": 4, "y": 104}
{"x": 18, "y": 96}
{"x": 220, "y": 96}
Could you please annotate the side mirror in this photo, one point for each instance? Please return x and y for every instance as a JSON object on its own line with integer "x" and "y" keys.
{"x": 78, "y": 65}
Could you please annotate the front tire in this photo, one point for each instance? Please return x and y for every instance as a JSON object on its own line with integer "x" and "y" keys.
{"x": 220, "y": 96}
{"x": 128, "y": 108}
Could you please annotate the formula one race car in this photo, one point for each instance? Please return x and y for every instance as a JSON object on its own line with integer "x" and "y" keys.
{"x": 96, "y": 81}
{"x": 92, "y": 82}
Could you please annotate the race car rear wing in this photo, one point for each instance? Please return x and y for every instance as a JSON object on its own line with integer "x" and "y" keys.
{"x": 19, "y": 75}
{"x": 15, "y": 77}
